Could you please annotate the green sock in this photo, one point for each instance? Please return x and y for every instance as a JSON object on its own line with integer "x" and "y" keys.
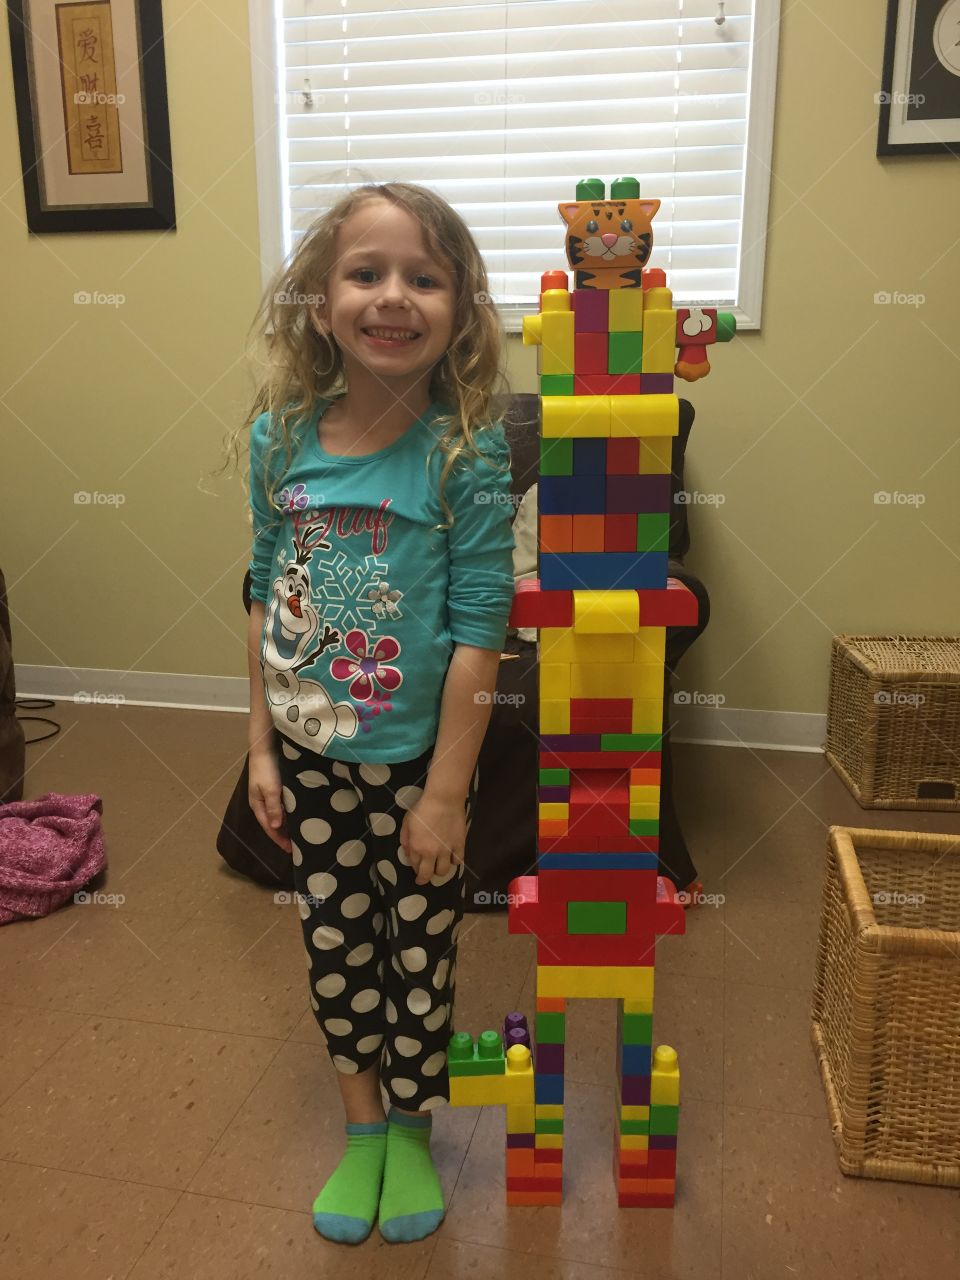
{"x": 345, "y": 1208}
{"x": 411, "y": 1202}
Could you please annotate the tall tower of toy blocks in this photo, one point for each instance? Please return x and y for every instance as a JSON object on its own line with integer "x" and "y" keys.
{"x": 602, "y": 603}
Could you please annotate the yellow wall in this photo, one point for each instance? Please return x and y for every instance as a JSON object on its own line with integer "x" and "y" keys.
{"x": 797, "y": 427}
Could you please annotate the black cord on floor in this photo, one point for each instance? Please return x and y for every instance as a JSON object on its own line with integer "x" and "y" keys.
{"x": 37, "y": 704}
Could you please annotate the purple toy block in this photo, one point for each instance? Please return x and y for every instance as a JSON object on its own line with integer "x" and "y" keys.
{"x": 559, "y": 795}
{"x": 662, "y": 1142}
{"x": 590, "y": 310}
{"x": 629, "y": 494}
{"x": 520, "y": 1140}
{"x": 518, "y": 1035}
{"x": 515, "y": 1020}
{"x": 656, "y": 384}
{"x": 635, "y": 1091}
{"x": 570, "y": 742}
{"x": 548, "y": 1059}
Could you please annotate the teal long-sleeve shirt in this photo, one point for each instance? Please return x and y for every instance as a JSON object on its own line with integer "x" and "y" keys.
{"x": 365, "y": 599}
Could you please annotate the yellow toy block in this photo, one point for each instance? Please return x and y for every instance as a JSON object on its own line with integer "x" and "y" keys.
{"x": 625, "y": 310}
{"x": 575, "y": 416}
{"x": 600, "y": 680}
{"x": 650, "y": 645}
{"x": 605, "y": 982}
{"x": 548, "y": 1141}
{"x": 532, "y": 328}
{"x": 634, "y": 1142}
{"x": 554, "y": 716}
{"x": 555, "y": 300}
{"x": 656, "y": 456}
{"x": 556, "y": 342}
{"x": 645, "y": 794}
{"x": 514, "y": 1086}
{"x": 554, "y": 809}
{"x": 606, "y": 612}
{"x": 646, "y": 680}
{"x": 634, "y": 1113}
{"x": 644, "y": 416}
{"x": 659, "y": 331}
{"x": 549, "y": 1110}
{"x": 646, "y": 716}
{"x": 562, "y": 644}
{"x": 642, "y": 1004}
{"x": 521, "y": 1117}
{"x": 554, "y": 680}
{"x": 665, "y": 1077}
{"x": 647, "y": 811}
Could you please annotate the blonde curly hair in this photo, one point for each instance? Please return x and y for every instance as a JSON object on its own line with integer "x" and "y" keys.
{"x": 300, "y": 366}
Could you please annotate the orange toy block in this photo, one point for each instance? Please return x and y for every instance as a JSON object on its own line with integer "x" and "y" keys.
{"x": 556, "y": 533}
{"x": 588, "y": 533}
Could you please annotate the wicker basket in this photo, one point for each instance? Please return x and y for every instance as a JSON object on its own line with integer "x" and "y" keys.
{"x": 886, "y": 1004}
{"x": 893, "y": 723}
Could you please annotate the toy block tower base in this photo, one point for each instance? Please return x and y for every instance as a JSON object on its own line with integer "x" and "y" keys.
{"x": 602, "y": 603}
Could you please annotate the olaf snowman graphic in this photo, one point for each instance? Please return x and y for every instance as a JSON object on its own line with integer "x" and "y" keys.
{"x": 293, "y": 638}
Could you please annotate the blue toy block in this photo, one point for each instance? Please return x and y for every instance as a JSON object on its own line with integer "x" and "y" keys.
{"x": 635, "y": 1060}
{"x": 589, "y": 457}
{"x": 602, "y": 570}
{"x": 571, "y": 495}
{"x": 597, "y": 862}
{"x": 548, "y": 1090}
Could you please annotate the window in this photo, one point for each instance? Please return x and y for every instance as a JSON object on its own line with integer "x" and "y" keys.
{"x": 503, "y": 105}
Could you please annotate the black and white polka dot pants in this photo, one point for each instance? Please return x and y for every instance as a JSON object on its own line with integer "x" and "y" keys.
{"x": 381, "y": 948}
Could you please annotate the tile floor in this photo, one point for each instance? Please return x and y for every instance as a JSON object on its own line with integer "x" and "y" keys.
{"x": 167, "y": 1108}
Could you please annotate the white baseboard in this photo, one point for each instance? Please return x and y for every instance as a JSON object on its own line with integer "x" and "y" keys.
{"x": 715, "y": 726}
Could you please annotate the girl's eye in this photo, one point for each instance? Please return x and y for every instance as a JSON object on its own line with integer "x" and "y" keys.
{"x": 430, "y": 282}
{"x": 365, "y": 271}
{"x": 626, "y": 225}
{"x": 593, "y": 225}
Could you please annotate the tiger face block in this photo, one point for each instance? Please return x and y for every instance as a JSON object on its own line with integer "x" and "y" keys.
{"x": 608, "y": 242}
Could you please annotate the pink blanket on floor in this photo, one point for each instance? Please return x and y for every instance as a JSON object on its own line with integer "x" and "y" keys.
{"x": 49, "y": 849}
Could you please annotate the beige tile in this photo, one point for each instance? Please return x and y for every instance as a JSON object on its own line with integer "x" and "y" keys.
{"x": 697, "y": 953}
{"x": 770, "y": 943}
{"x": 788, "y": 1210}
{"x": 209, "y": 1239}
{"x": 76, "y": 959}
{"x": 288, "y": 1136}
{"x": 237, "y": 965}
{"x": 453, "y": 1260}
{"x": 133, "y": 1100}
{"x": 768, "y": 1058}
{"x": 589, "y": 1227}
{"x": 28, "y": 1037}
{"x": 68, "y": 1226}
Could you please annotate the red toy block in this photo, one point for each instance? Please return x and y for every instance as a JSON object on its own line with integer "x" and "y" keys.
{"x": 533, "y": 607}
{"x": 597, "y": 886}
{"x": 549, "y": 1155}
{"x": 620, "y": 533}
{"x": 582, "y": 844}
{"x": 591, "y": 949}
{"x": 673, "y": 606}
{"x": 554, "y": 280}
{"x": 623, "y": 457}
{"x": 551, "y": 1004}
{"x": 599, "y": 759}
{"x": 600, "y": 715}
{"x": 653, "y": 278}
{"x": 590, "y": 354}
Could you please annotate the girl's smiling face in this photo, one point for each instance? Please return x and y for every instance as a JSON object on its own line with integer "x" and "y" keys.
{"x": 389, "y": 302}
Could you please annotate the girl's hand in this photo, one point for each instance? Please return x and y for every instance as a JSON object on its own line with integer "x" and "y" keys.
{"x": 264, "y": 794}
{"x": 433, "y": 835}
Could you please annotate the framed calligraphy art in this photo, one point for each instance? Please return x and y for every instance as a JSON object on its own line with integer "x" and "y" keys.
{"x": 91, "y": 94}
{"x": 920, "y": 90}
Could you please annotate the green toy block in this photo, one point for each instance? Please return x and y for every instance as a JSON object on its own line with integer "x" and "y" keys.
{"x": 556, "y": 457}
{"x": 548, "y": 1126}
{"x": 625, "y": 351}
{"x": 550, "y": 1028}
{"x": 556, "y": 384}
{"x": 624, "y": 189}
{"x": 726, "y": 326}
{"x": 631, "y": 741}
{"x": 554, "y": 777}
{"x": 639, "y": 1127}
{"x": 636, "y": 1028}
{"x": 485, "y": 1058}
{"x": 664, "y": 1120}
{"x": 644, "y": 826}
{"x": 653, "y": 532}
{"x": 596, "y": 917}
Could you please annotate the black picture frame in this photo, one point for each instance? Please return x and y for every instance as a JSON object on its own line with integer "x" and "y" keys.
{"x": 158, "y": 212}
{"x": 912, "y": 24}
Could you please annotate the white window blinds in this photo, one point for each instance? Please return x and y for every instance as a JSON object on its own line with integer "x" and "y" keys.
{"x": 501, "y": 106}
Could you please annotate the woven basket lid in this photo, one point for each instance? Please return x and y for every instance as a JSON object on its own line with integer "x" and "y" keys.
{"x": 904, "y": 655}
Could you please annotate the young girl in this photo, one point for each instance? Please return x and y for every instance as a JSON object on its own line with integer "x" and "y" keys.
{"x": 381, "y": 582}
